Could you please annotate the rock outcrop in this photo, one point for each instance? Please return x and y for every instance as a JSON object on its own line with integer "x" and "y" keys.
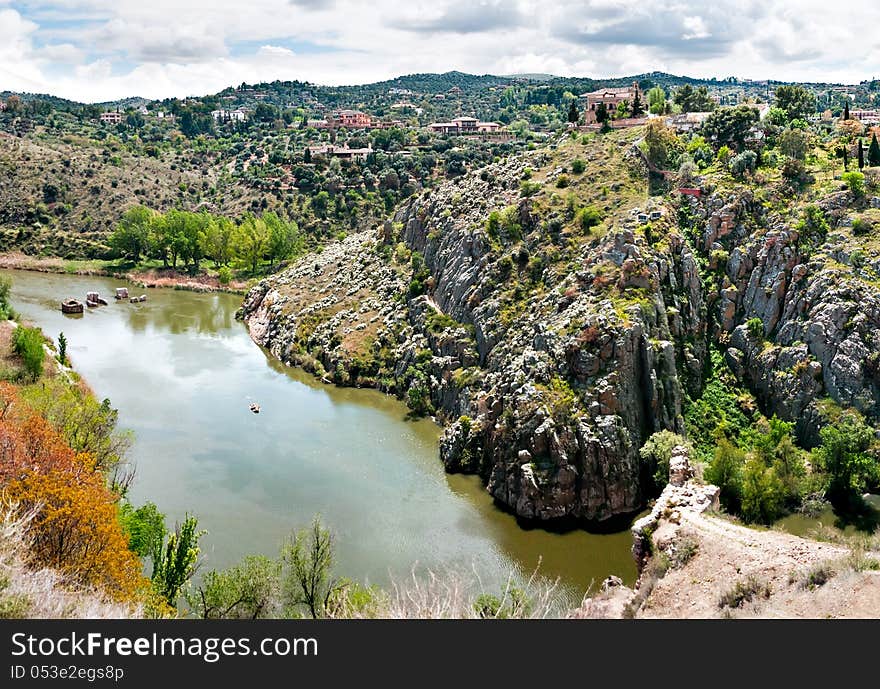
{"x": 549, "y": 373}
{"x": 816, "y": 303}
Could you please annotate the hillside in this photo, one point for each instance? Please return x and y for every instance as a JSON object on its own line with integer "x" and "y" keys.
{"x": 63, "y": 195}
{"x": 554, "y": 316}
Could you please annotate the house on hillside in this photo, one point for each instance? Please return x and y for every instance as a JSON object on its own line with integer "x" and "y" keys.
{"x": 350, "y": 119}
{"x": 237, "y": 115}
{"x": 112, "y": 117}
{"x": 464, "y": 125}
{"x": 866, "y": 116}
{"x": 611, "y": 97}
{"x": 341, "y": 152}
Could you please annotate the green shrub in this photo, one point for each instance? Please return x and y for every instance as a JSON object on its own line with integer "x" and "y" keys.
{"x": 726, "y": 472}
{"x": 515, "y": 603}
{"x": 28, "y": 344}
{"x": 562, "y": 182}
{"x": 761, "y": 493}
{"x": 224, "y": 275}
{"x": 755, "y": 327}
{"x": 861, "y": 227}
{"x": 855, "y": 181}
{"x": 6, "y": 311}
{"x": 588, "y": 217}
{"x": 845, "y": 455}
{"x": 527, "y": 188}
{"x": 578, "y": 166}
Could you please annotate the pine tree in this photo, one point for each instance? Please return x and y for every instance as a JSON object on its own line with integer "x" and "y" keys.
{"x": 874, "y": 151}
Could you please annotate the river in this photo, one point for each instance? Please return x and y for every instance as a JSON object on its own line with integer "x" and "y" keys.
{"x": 183, "y": 372}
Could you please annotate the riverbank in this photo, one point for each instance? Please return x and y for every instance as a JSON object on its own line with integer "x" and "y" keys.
{"x": 144, "y": 277}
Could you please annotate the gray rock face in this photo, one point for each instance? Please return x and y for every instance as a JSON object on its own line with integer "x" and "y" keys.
{"x": 819, "y": 315}
{"x": 547, "y": 398}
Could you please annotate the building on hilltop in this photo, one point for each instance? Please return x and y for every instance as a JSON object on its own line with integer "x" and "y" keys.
{"x": 611, "y": 97}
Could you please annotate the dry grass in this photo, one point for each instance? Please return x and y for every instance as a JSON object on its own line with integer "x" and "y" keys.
{"x": 453, "y": 595}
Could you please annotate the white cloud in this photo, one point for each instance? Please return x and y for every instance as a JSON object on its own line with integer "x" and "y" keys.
{"x": 164, "y": 47}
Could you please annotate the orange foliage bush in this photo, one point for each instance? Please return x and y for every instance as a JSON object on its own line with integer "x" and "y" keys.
{"x": 76, "y": 529}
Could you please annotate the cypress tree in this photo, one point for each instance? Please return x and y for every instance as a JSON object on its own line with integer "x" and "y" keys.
{"x": 861, "y": 155}
{"x": 846, "y": 110}
{"x": 874, "y": 151}
{"x": 573, "y": 113}
{"x": 637, "y": 108}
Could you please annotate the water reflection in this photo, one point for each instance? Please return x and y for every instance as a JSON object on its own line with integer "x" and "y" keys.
{"x": 182, "y": 372}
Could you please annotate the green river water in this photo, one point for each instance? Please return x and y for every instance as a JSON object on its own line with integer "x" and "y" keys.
{"x": 182, "y": 372}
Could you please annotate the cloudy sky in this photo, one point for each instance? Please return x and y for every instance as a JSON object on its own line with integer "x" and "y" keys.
{"x": 95, "y": 50}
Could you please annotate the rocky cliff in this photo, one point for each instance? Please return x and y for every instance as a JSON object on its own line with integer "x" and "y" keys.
{"x": 553, "y": 322}
{"x": 551, "y": 351}
{"x": 799, "y": 308}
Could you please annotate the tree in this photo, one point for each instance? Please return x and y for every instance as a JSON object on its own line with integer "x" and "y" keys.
{"x": 637, "y": 109}
{"x": 251, "y": 241}
{"x": 762, "y": 493}
{"x": 813, "y": 227}
{"x": 176, "y": 561}
{"x": 145, "y": 527}
{"x": 874, "y": 151}
{"x": 27, "y": 343}
{"x": 662, "y": 146}
{"x": 248, "y": 590}
{"x": 691, "y": 99}
{"x": 284, "y": 238}
{"x": 602, "y": 113}
{"x": 846, "y": 111}
{"x": 307, "y": 571}
{"x": 656, "y": 101}
{"x": 131, "y": 238}
{"x": 217, "y": 240}
{"x": 861, "y": 155}
{"x": 62, "y": 349}
{"x": 730, "y": 126}
{"x": 844, "y": 454}
{"x": 794, "y": 143}
{"x": 796, "y": 101}
{"x": 75, "y": 528}
{"x": 725, "y": 471}
{"x": 574, "y": 113}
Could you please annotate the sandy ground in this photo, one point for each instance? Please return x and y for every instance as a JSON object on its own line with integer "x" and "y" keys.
{"x": 729, "y": 553}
